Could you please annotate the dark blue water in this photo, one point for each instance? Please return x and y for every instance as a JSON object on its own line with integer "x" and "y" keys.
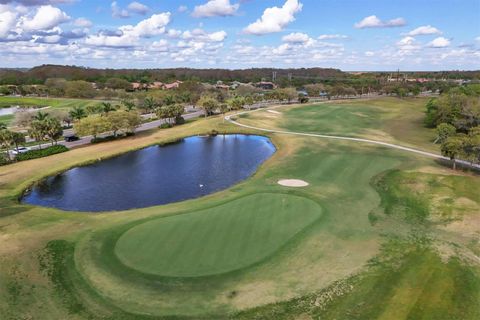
{"x": 156, "y": 175}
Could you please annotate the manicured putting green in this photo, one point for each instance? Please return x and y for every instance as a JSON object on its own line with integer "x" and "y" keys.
{"x": 228, "y": 237}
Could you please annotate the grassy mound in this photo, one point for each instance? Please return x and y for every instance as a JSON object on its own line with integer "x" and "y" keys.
{"x": 217, "y": 240}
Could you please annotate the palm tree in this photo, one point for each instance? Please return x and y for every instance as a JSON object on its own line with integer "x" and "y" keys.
{"x": 40, "y": 116}
{"x": 77, "y": 113}
{"x": 149, "y": 104}
{"x": 53, "y": 129}
{"x": 6, "y": 140}
{"x": 107, "y": 107}
{"x": 224, "y": 108}
{"x": 16, "y": 139}
{"x": 38, "y": 131}
{"x": 129, "y": 105}
{"x": 169, "y": 100}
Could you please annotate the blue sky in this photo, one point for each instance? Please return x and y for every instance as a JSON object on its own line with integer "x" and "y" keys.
{"x": 345, "y": 34}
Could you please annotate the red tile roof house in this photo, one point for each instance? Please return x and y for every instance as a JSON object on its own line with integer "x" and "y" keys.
{"x": 138, "y": 86}
{"x": 156, "y": 85}
{"x": 173, "y": 85}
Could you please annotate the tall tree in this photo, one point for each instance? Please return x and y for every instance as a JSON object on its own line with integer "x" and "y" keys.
{"x": 452, "y": 147}
{"x": 53, "y": 129}
{"x": 149, "y": 104}
{"x": 445, "y": 130}
{"x": 17, "y": 138}
{"x": 208, "y": 104}
{"x": 38, "y": 131}
{"x": 6, "y": 140}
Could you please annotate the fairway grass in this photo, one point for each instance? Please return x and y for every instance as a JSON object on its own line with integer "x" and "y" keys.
{"x": 217, "y": 240}
{"x": 52, "y": 103}
{"x": 377, "y": 234}
{"x": 390, "y": 120}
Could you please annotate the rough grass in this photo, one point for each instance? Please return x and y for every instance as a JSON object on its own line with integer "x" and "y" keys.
{"x": 408, "y": 280}
{"x": 217, "y": 240}
{"x": 428, "y": 198}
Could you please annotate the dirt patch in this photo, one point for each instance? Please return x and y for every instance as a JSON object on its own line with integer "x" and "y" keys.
{"x": 295, "y": 183}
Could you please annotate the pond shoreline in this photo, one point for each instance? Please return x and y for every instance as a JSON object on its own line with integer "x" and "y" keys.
{"x": 231, "y": 173}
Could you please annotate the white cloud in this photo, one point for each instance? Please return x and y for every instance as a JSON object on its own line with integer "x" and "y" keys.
{"x": 407, "y": 46}
{"x": 406, "y": 41}
{"x": 8, "y": 21}
{"x": 201, "y": 35}
{"x": 424, "y": 30}
{"x": 182, "y": 9}
{"x": 477, "y": 39}
{"x": 45, "y": 18}
{"x": 138, "y": 7}
{"x": 118, "y": 12}
{"x": 296, "y": 37}
{"x": 150, "y": 27}
{"x": 331, "y": 36}
{"x": 439, "y": 42}
{"x": 369, "y": 53}
{"x": 275, "y": 19}
{"x": 215, "y": 8}
{"x": 128, "y": 35}
{"x": 105, "y": 40}
{"x": 83, "y": 23}
{"x": 374, "y": 22}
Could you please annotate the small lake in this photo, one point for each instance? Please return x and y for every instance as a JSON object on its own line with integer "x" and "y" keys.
{"x": 11, "y": 110}
{"x": 191, "y": 168}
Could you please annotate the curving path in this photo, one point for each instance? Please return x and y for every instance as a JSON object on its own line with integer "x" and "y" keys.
{"x": 325, "y": 136}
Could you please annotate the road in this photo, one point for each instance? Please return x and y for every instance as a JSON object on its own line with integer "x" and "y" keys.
{"x": 143, "y": 127}
{"x": 325, "y": 136}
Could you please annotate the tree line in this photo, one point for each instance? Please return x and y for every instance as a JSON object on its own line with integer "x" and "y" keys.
{"x": 456, "y": 117}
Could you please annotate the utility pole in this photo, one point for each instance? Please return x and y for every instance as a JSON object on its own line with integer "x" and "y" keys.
{"x": 274, "y": 76}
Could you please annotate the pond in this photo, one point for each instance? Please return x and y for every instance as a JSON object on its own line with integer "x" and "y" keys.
{"x": 12, "y": 110}
{"x": 191, "y": 168}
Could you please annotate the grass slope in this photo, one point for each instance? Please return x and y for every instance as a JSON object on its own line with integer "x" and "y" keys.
{"x": 217, "y": 240}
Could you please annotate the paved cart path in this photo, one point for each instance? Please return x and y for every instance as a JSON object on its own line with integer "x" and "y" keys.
{"x": 326, "y": 136}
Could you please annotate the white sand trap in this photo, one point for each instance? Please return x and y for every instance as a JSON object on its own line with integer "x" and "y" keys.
{"x": 296, "y": 183}
{"x": 273, "y": 111}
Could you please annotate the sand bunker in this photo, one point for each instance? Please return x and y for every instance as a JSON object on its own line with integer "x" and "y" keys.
{"x": 273, "y": 111}
{"x": 296, "y": 183}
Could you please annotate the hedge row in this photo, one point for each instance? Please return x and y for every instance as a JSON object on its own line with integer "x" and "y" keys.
{"x": 111, "y": 138}
{"x": 40, "y": 153}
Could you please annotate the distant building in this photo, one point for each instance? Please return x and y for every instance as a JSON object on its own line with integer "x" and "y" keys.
{"x": 173, "y": 85}
{"x": 139, "y": 86}
{"x": 156, "y": 85}
{"x": 222, "y": 86}
{"x": 265, "y": 85}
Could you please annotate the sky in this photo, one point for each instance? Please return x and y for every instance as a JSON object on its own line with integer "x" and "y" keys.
{"x": 352, "y": 35}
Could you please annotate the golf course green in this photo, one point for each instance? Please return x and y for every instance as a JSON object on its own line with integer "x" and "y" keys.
{"x": 217, "y": 240}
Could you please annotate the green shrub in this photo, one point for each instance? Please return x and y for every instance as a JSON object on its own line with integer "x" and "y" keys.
{"x": 165, "y": 126}
{"x": 179, "y": 120}
{"x": 111, "y": 138}
{"x": 40, "y": 153}
{"x": 3, "y": 160}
